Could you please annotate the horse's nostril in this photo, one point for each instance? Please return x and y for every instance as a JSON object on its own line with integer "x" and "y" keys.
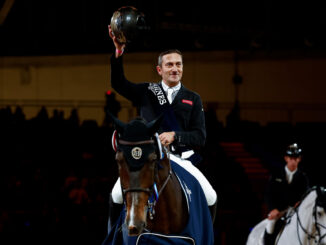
{"x": 135, "y": 230}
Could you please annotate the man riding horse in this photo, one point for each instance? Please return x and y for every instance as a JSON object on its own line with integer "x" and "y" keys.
{"x": 304, "y": 224}
{"x": 155, "y": 189}
{"x": 183, "y": 126}
{"x": 285, "y": 189}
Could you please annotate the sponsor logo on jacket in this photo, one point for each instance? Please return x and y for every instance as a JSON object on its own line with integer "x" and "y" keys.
{"x": 189, "y": 102}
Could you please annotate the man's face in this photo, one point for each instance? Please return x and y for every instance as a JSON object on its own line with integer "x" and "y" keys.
{"x": 292, "y": 162}
{"x": 171, "y": 69}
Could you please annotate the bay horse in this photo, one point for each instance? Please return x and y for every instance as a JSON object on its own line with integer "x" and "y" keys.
{"x": 305, "y": 224}
{"x": 156, "y": 197}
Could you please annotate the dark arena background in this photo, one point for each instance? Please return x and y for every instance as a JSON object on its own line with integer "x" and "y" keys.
{"x": 259, "y": 67}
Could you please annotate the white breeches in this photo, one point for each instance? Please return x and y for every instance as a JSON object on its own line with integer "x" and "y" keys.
{"x": 270, "y": 226}
{"x": 117, "y": 192}
{"x": 209, "y": 192}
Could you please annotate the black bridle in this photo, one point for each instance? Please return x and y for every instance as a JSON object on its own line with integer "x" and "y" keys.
{"x": 152, "y": 191}
{"x": 317, "y": 237}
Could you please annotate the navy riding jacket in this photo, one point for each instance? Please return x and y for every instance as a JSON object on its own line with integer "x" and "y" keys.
{"x": 187, "y": 107}
{"x": 280, "y": 194}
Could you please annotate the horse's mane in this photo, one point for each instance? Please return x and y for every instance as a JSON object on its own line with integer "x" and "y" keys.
{"x": 305, "y": 196}
{"x": 308, "y": 191}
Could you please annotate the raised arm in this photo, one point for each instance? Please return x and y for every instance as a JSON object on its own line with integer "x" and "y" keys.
{"x": 119, "y": 82}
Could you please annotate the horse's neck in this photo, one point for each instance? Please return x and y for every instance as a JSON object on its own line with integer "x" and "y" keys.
{"x": 301, "y": 223}
{"x": 306, "y": 212}
{"x": 170, "y": 194}
{"x": 171, "y": 209}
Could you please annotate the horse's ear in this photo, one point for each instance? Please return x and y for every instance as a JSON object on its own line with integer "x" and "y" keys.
{"x": 119, "y": 126}
{"x": 154, "y": 125}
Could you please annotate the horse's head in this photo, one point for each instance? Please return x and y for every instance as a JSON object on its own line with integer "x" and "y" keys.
{"x": 138, "y": 150}
{"x": 320, "y": 214}
{"x": 308, "y": 223}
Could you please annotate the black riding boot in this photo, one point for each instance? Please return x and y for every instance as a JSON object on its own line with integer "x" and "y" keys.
{"x": 114, "y": 211}
{"x": 212, "y": 210}
{"x": 268, "y": 238}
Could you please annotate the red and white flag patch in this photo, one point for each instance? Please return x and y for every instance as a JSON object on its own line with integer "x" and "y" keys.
{"x": 189, "y": 102}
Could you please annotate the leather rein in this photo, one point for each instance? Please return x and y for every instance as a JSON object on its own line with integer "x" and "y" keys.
{"x": 311, "y": 236}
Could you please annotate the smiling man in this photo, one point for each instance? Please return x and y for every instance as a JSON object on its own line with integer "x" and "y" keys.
{"x": 183, "y": 126}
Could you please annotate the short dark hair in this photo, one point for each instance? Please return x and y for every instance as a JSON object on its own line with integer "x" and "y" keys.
{"x": 170, "y": 51}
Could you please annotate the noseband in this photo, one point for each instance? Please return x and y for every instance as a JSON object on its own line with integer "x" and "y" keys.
{"x": 152, "y": 191}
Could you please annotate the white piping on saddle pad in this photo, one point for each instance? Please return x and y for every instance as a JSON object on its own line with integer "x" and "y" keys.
{"x": 167, "y": 236}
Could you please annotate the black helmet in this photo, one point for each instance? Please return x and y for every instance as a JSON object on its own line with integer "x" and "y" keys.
{"x": 293, "y": 150}
{"x": 126, "y": 23}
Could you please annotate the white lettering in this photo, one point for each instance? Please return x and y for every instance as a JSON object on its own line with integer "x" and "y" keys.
{"x": 162, "y": 101}
{"x": 158, "y": 92}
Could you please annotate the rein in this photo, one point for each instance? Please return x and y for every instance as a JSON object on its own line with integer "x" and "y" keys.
{"x": 152, "y": 201}
{"x": 318, "y": 237}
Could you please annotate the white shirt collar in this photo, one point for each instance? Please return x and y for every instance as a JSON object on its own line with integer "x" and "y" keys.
{"x": 175, "y": 88}
{"x": 289, "y": 174}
